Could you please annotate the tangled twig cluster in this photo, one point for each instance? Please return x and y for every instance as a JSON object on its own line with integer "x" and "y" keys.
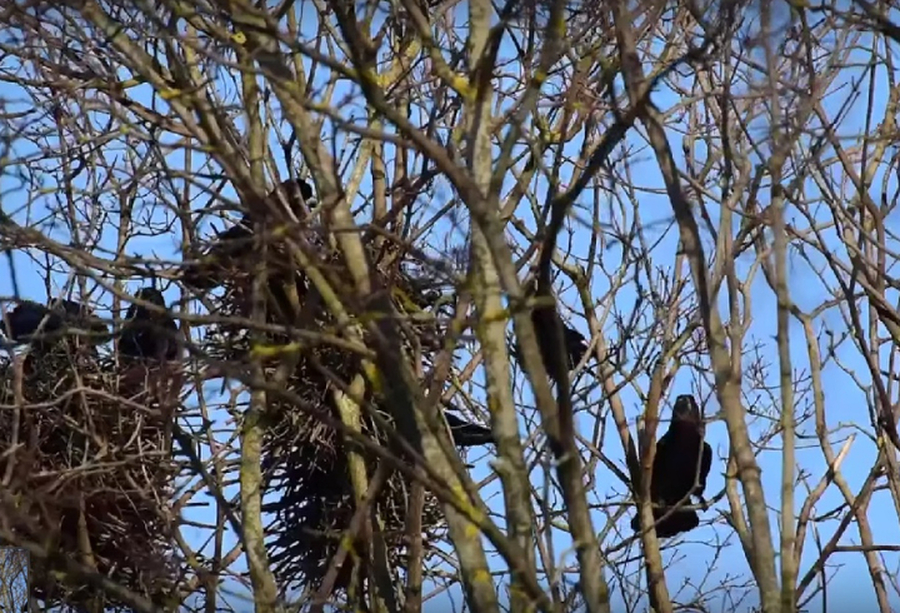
{"x": 304, "y": 458}
{"x": 85, "y": 448}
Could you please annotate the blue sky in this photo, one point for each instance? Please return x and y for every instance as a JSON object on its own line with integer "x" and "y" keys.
{"x": 845, "y": 403}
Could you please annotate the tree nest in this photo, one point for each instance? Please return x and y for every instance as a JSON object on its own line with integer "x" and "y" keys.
{"x": 305, "y": 461}
{"x": 86, "y": 455}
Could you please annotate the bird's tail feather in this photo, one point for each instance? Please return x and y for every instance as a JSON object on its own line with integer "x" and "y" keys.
{"x": 680, "y": 521}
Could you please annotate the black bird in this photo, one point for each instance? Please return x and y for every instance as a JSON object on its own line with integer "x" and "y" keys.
{"x": 22, "y": 322}
{"x": 680, "y": 452}
{"x": 467, "y": 434}
{"x": 230, "y": 247}
{"x": 574, "y": 341}
{"x": 543, "y": 318}
{"x": 147, "y": 333}
{"x": 298, "y": 194}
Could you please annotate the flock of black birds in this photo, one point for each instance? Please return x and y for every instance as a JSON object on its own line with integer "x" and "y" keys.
{"x": 63, "y": 339}
{"x": 683, "y": 458}
{"x": 681, "y": 464}
{"x": 298, "y": 196}
{"x": 149, "y": 332}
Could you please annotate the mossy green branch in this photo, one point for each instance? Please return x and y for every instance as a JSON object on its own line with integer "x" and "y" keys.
{"x": 265, "y": 593}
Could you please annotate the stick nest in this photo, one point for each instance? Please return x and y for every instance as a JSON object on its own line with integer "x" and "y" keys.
{"x": 305, "y": 460}
{"x": 90, "y": 474}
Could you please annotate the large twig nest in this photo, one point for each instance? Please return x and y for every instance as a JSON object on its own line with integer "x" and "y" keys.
{"x": 305, "y": 460}
{"x": 87, "y": 453}
{"x": 306, "y": 463}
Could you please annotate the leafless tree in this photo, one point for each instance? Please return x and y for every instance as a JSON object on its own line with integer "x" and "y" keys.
{"x": 705, "y": 189}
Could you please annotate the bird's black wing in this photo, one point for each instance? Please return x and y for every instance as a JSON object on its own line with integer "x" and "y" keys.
{"x": 705, "y": 466}
{"x": 24, "y": 320}
{"x": 149, "y": 338}
{"x": 663, "y": 464}
{"x": 678, "y": 452}
{"x": 682, "y": 520}
{"x": 73, "y": 310}
{"x": 72, "y": 314}
{"x": 238, "y": 232}
{"x": 146, "y": 333}
{"x": 466, "y": 434}
{"x": 298, "y": 193}
{"x": 213, "y": 266}
{"x": 545, "y": 320}
{"x": 576, "y": 345}
{"x": 133, "y": 311}
{"x": 172, "y": 350}
{"x": 130, "y": 341}
{"x": 666, "y": 488}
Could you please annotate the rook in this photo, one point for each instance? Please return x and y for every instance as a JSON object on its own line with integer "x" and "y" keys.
{"x": 680, "y": 468}
{"x": 148, "y": 333}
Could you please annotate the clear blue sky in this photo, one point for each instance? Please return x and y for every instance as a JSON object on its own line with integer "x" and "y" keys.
{"x": 845, "y": 404}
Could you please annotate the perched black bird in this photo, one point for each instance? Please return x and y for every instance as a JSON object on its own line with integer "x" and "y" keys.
{"x": 574, "y": 341}
{"x": 63, "y": 317}
{"x": 296, "y": 193}
{"x": 229, "y": 249}
{"x": 680, "y": 454}
{"x": 148, "y": 333}
{"x": 467, "y": 434}
{"x": 543, "y": 318}
{"x": 20, "y": 323}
